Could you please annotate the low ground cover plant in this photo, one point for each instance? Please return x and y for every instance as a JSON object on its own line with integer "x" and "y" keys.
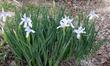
{"x": 44, "y": 36}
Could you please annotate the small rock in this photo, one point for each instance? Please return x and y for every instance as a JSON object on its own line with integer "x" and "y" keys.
{"x": 13, "y": 63}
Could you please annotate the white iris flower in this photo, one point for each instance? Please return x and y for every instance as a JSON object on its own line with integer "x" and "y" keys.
{"x": 93, "y": 15}
{"x": 65, "y": 22}
{"x": 28, "y": 31}
{"x": 79, "y": 31}
{"x": 4, "y": 15}
{"x": 26, "y": 20}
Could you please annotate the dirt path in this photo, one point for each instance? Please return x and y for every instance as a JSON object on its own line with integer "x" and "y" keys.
{"x": 104, "y": 21}
{"x": 105, "y": 7}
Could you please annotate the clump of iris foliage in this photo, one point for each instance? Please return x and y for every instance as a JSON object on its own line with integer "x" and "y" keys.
{"x": 49, "y": 44}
